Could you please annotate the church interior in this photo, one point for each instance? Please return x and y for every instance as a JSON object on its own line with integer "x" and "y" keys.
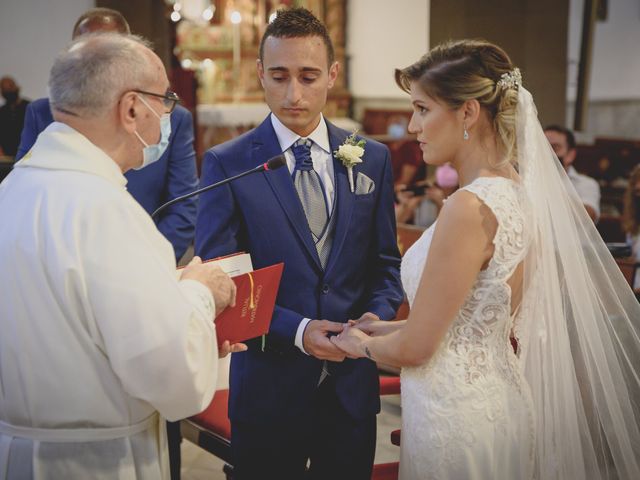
{"x": 577, "y": 57}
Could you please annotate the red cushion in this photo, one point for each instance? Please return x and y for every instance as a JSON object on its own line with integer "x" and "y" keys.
{"x": 389, "y": 385}
{"x": 385, "y": 471}
{"x": 215, "y": 417}
{"x": 395, "y": 437}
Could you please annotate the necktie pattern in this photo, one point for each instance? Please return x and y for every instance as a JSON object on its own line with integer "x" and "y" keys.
{"x": 309, "y": 188}
{"x": 314, "y": 203}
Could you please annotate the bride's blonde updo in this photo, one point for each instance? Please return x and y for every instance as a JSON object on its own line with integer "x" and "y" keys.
{"x": 455, "y": 72}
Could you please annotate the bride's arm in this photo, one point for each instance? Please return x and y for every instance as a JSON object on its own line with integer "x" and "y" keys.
{"x": 462, "y": 244}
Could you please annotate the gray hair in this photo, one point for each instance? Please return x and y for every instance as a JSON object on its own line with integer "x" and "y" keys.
{"x": 91, "y": 74}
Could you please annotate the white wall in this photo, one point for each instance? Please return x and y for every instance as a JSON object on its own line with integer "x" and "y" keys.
{"x": 615, "y": 70}
{"x": 383, "y": 35}
{"x": 32, "y": 32}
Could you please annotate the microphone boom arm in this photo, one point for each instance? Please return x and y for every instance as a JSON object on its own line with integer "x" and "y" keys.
{"x": 271, "y": 164}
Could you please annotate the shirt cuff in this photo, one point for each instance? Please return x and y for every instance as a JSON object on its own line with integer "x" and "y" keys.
{"x": 200, "y": 297}
{"x": 300, "y": 334}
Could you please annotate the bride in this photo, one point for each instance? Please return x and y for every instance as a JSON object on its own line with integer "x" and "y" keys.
{"x": 513, "y": 259}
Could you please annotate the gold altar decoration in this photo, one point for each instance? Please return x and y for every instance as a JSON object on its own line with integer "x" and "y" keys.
{"x": 223, "y": 51}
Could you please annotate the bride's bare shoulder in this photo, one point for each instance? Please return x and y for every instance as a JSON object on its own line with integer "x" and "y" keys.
{"x": 465, "y": 213}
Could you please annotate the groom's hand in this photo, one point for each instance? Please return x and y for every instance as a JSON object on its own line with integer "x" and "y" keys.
{"x": 316, "y": 341}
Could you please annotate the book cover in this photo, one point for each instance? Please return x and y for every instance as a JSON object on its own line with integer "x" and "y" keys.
{"x": 256, "y": 292}
{"x": 255, "y": 301}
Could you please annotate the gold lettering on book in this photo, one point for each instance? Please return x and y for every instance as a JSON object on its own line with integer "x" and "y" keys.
{"x": 256, "y": 302}
{"x": 245, "y": 308}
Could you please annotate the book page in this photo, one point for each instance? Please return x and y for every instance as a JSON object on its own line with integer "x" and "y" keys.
{"x": 232, "y": 265}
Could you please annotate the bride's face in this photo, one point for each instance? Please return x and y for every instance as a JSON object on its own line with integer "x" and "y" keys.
{"x": 439, "y": 128}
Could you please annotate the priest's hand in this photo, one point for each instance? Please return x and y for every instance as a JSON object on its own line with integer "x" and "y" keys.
{"x": 316, "y": 340}
{"x": 226, "y": 348}
{"x": 211, "y": 276}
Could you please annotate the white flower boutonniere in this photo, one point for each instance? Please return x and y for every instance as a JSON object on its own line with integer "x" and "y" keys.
{"x": 350, "y": 154}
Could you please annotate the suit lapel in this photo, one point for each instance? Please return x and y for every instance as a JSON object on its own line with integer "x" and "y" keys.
{"x": 344, "y": 197}
{"x": 266, "y": 146}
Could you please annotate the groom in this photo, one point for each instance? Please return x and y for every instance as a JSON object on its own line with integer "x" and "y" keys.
{"x": 296, "y": 398}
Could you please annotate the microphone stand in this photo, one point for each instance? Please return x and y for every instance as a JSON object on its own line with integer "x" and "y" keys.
{"x": 272, "y": 164}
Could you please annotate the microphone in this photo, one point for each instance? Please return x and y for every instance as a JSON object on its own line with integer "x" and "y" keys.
{"x": 271, "y": 164}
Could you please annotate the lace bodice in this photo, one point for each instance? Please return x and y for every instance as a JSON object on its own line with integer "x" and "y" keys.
{"x": 485, "y": 316}
{"x": 474, "y": 375}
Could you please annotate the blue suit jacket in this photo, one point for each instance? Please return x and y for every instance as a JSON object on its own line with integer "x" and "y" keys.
{"x": 171, "y": 176}
{"x": 262, "y": 214}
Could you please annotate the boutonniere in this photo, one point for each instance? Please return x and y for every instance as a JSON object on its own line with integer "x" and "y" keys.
{"x": 350, "y": 154}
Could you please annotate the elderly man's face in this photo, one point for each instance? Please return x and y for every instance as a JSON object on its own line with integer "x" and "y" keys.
{"x": 149, "y": 108}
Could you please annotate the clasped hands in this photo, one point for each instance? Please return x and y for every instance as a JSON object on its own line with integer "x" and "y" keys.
{"x": 336, "y": 341}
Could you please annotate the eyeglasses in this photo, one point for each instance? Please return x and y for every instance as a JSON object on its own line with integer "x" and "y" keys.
{"x": 169, "y": 99}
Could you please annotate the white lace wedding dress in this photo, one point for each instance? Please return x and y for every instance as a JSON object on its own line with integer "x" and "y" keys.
{"x": 467, "y": 413}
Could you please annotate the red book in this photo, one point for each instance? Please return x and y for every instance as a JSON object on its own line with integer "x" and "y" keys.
{"x": 255, "y": 299}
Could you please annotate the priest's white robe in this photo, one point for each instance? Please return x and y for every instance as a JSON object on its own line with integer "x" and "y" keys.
{"x": 96, "y": 334}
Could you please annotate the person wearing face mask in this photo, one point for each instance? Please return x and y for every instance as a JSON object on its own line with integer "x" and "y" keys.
{"x": 172, "y": 175}
{"x": 12, "y": 115}
{"x": 100, "y": 340}
{"x": 631, "y": 218}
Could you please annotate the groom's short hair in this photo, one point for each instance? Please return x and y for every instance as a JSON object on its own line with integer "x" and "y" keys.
{"x": 297, "y": 23}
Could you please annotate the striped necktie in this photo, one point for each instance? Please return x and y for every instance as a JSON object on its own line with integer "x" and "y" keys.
{"x": 310, "y": 189}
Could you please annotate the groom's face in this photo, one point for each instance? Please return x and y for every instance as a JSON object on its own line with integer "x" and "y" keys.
{"x": 296, "y": 78}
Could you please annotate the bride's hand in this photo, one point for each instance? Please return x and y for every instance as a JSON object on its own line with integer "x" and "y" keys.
{"x": 373, "y": 328}
{"x": 372, "y": 325}
{"x": 351, "y": 341}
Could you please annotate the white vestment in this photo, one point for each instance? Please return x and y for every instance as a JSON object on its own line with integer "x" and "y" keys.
{"x": 96, "y": 334}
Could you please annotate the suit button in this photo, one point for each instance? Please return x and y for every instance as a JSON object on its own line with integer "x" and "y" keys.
{"x": 325, "y": 289}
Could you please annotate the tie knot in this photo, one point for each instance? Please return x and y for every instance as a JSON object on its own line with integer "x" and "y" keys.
{"x": 302, "y": 153}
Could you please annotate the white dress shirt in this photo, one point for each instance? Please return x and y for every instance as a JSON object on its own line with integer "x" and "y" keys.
{"x": 587, "y": 188}
{"x": 322, "y": 163}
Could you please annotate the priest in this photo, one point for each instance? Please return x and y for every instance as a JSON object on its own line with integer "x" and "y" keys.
{"x": 99, "y": 339}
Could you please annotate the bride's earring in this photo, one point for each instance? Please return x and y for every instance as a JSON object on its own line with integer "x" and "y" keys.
{"x": 466, "y": 134}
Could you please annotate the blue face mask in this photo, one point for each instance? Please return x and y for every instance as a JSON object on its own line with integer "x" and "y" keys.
{"x": 152, "y": 153}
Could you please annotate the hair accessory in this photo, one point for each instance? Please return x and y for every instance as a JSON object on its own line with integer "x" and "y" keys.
{"x": 512, "y": 79}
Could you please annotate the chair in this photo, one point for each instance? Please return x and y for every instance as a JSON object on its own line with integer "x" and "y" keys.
{"x": 407, "y": 236}
{"x": 628, "y": 268}
{"x": 610, "y": 228}
{"x": 211, "y": 430}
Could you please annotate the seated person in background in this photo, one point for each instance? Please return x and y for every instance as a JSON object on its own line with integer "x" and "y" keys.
{"x": 11, "y": 116}
{"x": 170, "y": 177}
{"x": 423, "y": 210}
{"x": 98, "y": 334}
{"x": 430, "y": 206}
{"x": 563, "y": 143}
{"x": 631, "y": 218}
{"x": 405, "y": 206}
{"x": 406, "y": 161}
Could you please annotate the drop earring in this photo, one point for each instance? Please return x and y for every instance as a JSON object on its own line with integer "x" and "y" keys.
{"x": 466, "y": 134}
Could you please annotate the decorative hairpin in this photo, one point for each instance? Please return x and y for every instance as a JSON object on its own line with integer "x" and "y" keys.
{"x": 512, "y": 79}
